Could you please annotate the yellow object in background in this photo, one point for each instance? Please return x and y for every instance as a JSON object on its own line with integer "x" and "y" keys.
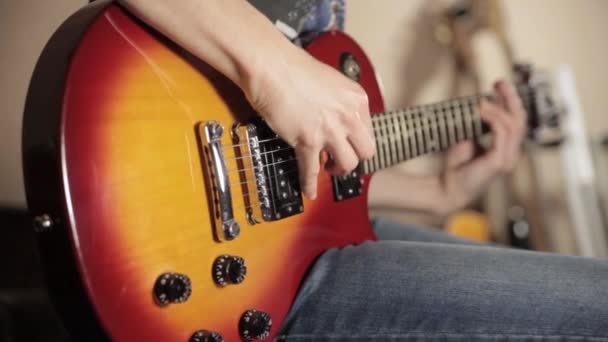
{"x": 469, "y": 224}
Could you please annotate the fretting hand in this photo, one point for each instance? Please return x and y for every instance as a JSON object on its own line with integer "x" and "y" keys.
{"x": 465, "y": 176}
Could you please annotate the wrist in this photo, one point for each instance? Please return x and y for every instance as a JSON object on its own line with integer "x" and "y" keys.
{"x": 261, "y": 73}
{"x": 449, "y": 199}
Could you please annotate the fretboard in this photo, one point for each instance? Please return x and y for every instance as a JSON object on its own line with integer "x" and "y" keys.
{"x": 408, "y": 133}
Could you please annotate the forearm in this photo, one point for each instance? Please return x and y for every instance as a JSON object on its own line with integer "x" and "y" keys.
{"x": 394, "y": 189}
{"x": 230, "y": 35}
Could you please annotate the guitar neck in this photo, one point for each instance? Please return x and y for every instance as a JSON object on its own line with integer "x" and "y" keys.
{"x": 408, "y": 133}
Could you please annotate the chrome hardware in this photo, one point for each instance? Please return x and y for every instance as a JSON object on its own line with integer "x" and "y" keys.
{"x": 270, "y": 174}
{"x": 226, "y": 227}
{"x": 253, "y": 176}
{"x": 350, "y": 67}
{"x": 43, "y": 223}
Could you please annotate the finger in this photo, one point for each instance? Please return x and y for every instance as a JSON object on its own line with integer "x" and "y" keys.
{"x": 460, "y": 154}
{"x": 308, "y": 167}
{"x": 497, "y": 157}
{"x": 511, "y": 101}
{"x": 515, "y": 133}
{"x": 360, "y": 129}
{"x": 361, "y": 140}
{"x": 491, "y": 111}
{"x": 499, "y": 94}
{"x": 343, "y": 158}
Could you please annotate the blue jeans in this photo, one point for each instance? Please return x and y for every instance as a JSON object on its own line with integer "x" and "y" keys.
{"x": 422, "y": 285}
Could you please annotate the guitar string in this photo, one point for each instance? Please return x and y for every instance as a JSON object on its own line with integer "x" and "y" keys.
{"x": 379, "y": 130}
{"x": 524, "y": 95}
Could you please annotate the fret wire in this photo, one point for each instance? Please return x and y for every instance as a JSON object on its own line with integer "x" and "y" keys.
{"x": 399, "y": 136}
{"x": 393, "y": 135}
{"x": 428, "y": 121}
{"x": 429, "y": 127}
{"x": 435, "y": 123}
{"x": 397, "y": 139}
{"x": 415, "y": 130}
{"x": 378, "y": 142}
{"x": 450, "y": 127}
{"x": 386, "y": 150}
{"x": 436, "y": 131}
{"x": 406, "y": 135}
{"x": 389, "y": 138}
{"x": 425, "y": 131}
{"x": 412, "y": 124}
{"x": 477, "y": 116}
{"x": 376, "y": 158}
{"x": 364, "y": 166}
{"x": 382, "y": 160}
{"x": 465, "y": 109}
{"x": 420, "y": 131}
{"x": 457, "y": 135}
{"x": 468, "y": 127}
{"x": 443, "y": 143}
{"x": 458, "y": 127}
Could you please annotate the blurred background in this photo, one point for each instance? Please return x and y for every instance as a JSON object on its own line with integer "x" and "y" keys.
{"x": 423, "y": 51}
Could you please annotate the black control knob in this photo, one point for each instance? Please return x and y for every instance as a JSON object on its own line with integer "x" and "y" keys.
{"x": 206, "y": 336}
{"x": 255, "y": 324}
{"x": 229, "y": 269}
{"x": 172, "y": 288}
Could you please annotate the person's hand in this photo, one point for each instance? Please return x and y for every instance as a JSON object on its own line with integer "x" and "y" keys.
{"x": 314, "y": 108}
{"x": 466, "y": 176}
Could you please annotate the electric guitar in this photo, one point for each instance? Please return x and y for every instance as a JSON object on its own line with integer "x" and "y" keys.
{"x": 165, "y": 210}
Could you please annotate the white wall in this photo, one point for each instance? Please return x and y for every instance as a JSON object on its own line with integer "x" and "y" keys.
{"x": 25, "y": 26}
{"x": 395, "y": 33}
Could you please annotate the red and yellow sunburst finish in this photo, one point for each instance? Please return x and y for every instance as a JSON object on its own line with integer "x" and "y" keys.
{"x": 136, "y": 197}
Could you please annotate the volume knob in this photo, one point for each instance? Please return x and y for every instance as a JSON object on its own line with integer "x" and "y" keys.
{"x": 229, "y": 269}
{"x": 255, "y": 324}
{"x": 172, "y": 288}
{"x": 206, "y": 336}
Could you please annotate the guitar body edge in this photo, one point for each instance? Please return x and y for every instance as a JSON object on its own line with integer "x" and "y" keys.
{"x": 113, "y": 157}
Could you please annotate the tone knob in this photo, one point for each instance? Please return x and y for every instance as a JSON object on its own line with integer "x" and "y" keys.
{"x": 172, "y": 288}
{"x": 206, "y": 336}
{"x": 229, "y": 269}
{"x": 255, "y": 324}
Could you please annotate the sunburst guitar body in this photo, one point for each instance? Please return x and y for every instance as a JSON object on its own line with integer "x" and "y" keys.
{"x": 165, "y": 211}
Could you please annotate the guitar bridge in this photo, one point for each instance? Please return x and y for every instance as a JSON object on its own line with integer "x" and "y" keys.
{"x": 226, "y": 227}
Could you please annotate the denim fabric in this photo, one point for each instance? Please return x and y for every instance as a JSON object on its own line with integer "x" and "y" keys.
{"x": 398, "y": 290}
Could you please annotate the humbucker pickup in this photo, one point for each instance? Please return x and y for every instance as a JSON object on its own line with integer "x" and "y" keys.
{"x": 270, "y": 174}
{"x": 347, "y": 186}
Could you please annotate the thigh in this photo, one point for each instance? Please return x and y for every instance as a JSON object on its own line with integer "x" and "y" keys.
{"x": 390, "y": 230}
{"x": 410, "y": 290}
